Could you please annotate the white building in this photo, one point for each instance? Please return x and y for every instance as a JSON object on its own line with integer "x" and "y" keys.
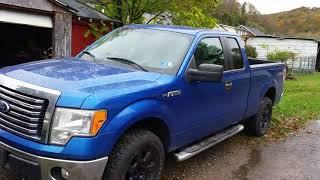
{"x": 265, "y": 44}
{"x": 307, "y": 49}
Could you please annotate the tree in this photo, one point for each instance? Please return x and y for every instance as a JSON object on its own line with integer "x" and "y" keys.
{"x": 228, "y": 12}
{"x": 195, "y": 13}
{"x": 131, "y": 11}
{"x": 97, "y": 30}
{"x": 251, "y": 51}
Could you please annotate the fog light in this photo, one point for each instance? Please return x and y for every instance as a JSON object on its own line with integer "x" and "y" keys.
{"x": 64, "y": 173}
{"x": 60, "y": 173}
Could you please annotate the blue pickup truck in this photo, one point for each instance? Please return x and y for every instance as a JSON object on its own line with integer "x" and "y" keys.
{"x": 136, "y": 95}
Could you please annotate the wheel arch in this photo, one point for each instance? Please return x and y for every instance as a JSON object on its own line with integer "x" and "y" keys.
{"x": 156, "y": 126}
{"x": 271, "y": 93}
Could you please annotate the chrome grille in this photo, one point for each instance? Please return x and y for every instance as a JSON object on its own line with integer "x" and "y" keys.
{"x": 26, "y": 114}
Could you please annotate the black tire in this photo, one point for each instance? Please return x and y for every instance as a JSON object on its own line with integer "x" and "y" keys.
{"x": 259, "y": 124}
{"x": 139, "y": 155}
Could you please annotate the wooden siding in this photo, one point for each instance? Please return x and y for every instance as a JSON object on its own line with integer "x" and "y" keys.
{"x": 304, "y": 48}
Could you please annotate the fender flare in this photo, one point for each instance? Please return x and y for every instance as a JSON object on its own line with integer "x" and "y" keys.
{"x": 137, "y": 112}
{"x": 265, "y": 88}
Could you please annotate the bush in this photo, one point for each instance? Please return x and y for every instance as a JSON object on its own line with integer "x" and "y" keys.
{"x": 283, "y": 56}
{"x": 251, "y": 51}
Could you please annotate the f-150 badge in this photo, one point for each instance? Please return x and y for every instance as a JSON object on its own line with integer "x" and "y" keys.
{"x": 172, "y": 94}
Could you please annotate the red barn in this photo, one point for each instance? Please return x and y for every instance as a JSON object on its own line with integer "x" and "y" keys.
{"x": 84, "y": 15}
{"x": 41, "y": 29}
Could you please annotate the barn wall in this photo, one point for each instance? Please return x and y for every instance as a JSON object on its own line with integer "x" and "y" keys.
{"x": 79, "y": 42}
{"x": 304, "y": 48}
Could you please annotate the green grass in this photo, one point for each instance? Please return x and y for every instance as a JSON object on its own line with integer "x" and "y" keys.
{"x": 299, "y": 105}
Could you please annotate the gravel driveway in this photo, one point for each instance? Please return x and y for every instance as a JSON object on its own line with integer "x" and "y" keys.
{"x": 297, "y": 157}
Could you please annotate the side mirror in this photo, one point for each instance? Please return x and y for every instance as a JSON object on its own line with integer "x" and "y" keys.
{"x": 205, "y": 73}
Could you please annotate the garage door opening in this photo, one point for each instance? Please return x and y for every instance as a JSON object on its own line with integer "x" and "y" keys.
{"x": 22, "y": 43}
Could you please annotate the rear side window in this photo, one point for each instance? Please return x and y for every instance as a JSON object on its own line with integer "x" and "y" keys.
{"x": 209, "y": 51}
{"x": 235, "y": 52}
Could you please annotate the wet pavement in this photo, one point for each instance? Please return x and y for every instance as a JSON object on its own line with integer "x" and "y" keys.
{"x": 296, "y": 158}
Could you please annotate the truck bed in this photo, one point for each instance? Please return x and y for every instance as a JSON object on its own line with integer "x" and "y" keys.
{"x": 264, "y": 74}
{"x": 258, "y": 63}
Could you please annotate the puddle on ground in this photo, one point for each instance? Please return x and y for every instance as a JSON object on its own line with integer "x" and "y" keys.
{"x": 317, "y": 123}
{"x": 255, "y": 158}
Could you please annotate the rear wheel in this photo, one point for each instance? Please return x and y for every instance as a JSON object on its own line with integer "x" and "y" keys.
{"x": 139, "y": 155}
{"x": 259, "y": 124}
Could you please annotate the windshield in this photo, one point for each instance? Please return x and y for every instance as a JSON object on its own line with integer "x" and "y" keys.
{"x": 152, "y": 50}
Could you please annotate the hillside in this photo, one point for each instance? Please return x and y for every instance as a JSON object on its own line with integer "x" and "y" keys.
{"x": 301, "y": 22}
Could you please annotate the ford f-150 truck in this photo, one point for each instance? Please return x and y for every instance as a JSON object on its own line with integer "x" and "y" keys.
{"x": 134, "y": 96}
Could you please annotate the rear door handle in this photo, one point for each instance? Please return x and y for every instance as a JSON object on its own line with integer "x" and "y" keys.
{"x": 228, "y": 85}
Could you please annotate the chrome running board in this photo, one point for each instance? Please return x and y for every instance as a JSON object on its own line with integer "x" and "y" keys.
{"x": 197, "y": 148}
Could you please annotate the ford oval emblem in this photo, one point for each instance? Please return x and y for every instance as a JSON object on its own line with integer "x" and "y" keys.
{"x": 4, "y": 106}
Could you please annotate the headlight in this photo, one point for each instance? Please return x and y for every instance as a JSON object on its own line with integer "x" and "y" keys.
{"x": 73, "y": 122}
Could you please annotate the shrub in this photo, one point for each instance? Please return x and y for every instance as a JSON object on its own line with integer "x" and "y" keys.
{"x": 283, "y": 56}
{"x": 251, "y": 51}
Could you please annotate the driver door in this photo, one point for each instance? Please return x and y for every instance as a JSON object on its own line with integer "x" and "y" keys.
{"x": 208, "y": 102}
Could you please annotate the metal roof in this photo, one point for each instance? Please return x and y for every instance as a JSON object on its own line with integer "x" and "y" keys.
{"x": 82, "y": 10}
{"x": 254, "y": 31}
{"x": 282, "y": 38}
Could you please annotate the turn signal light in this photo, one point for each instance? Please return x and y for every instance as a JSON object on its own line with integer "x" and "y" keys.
{"x": 98, "y": 120}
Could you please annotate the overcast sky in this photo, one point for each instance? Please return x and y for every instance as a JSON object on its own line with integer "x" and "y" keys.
{"x": 274, "y": 6}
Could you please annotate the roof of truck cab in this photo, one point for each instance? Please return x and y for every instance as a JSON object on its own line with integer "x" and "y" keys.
{"x": 181, "y": 29}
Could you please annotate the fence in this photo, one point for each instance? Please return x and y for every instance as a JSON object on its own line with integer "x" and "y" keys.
{"x": 303, "y": 64}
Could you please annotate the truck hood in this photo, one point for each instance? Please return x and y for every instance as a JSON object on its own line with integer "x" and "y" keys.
{"x": 77, "y": 79}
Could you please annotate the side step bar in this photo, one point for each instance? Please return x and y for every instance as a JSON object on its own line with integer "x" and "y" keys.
{"x": 197, "y": 148}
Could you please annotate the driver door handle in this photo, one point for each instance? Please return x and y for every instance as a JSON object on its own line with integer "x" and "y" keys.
{"x": 228, "y": 85}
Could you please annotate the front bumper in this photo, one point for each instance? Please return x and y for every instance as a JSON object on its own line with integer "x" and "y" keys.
{"x": 39, "y": 167}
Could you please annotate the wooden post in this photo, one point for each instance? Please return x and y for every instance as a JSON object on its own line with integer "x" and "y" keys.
{"x": 62, "y": 32}
{"x": 300, "y": 65}
{"x": 309, "y": 65}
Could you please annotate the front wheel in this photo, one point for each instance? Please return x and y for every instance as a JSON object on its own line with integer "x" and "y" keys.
{"x": 139, "y": 155}
{"x": 259, "y": 124}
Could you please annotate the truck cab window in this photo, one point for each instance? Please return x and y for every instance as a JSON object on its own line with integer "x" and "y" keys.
{"x": 235, "y": 53}
{"x": 209, "y": 51}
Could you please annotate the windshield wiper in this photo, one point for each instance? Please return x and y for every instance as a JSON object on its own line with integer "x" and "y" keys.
{"x": 93, "y": 57}
{"x": 127, "y": 61}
